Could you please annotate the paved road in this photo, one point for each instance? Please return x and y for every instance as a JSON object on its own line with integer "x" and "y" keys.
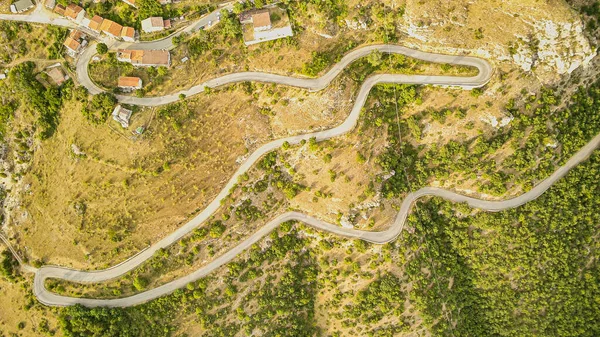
{"x": 485, "y": 72}
{"x": 390, "y": 234}
{"x": 40, "y": 15}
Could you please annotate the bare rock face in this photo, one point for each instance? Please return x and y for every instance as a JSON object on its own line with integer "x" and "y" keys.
{"x": 562, "y": 45}
{"x": 544, "y": 36}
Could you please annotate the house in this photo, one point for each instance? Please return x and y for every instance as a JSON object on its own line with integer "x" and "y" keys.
{"x": 164, "y": 2}
{"x": 145, "y": 58}
{"x": 74, "y": 12}
{"x": 128, "y": 84}
{"x": 50, "y": 4}
{"x": 128, "y": 34}
{"x": 259, "y": 18}
{"x": 75, "y": 42}
{"x": 111, "y": 28}
{"x": 60, "y": 9}
{"x": 21, "y": 6}
{"x": 257, "y": 26}
{"x": 261, "y": 21}
{"x": 57, "y": 75}
{"x": 121, "y": 115}
{"x": 95, "y": 23}
{"x": 130, "y": 2}
{"x": 155, "y": 24}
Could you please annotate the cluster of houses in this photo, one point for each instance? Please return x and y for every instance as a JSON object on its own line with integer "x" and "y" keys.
{"x": 96, "y": 23}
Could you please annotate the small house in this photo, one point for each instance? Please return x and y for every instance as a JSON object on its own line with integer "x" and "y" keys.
{"x": 75, "y": 13}
{"x": 60, "y": 9}
{"x": 155, "y": 24}
{"x": 111, "y": 28}
{"x": 259, "y": 18}
{"x": 128, "y": 84}
{"x": 75, "y": 42}
{"x": 145, "y": 58}
{"x": 121, "y": 115}
{"x": 261, "y": 21}
{"x": 50, "y": 4}
{"x": 95, "y": 23}
{"x": 57, "y": 75}
{"x": 21, "y": 6}
{"x": 128, "y": 34}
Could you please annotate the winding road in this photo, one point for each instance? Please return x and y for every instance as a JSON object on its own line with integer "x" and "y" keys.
{"x": 483, "y": 76}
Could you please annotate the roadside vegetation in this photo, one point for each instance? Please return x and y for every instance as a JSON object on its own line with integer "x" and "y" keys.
{"x": 445, "y": 270}
{"x": 23, "y": 41}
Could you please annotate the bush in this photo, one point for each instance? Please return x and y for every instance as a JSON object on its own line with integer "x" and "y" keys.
{"x": 100, "y": 108}
{"x": 102, "y": 48}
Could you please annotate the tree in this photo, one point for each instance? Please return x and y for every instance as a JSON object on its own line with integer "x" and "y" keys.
{"x": 375, "y": 58}
{"x": 102, "y": 48}
{"x": 149, "y": 8}
{"x": 140, "y": 283}
{"x": 100, "y": 107}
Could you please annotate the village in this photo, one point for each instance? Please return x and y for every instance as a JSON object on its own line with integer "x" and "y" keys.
{"x": 258, "y": 25}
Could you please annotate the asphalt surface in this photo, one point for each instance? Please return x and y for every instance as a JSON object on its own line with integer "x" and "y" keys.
{"x": 382, "y": 237}
{"x": 390, "y": 234}
{"x": 485, "y": 72}
{"x": 40, "y": 15}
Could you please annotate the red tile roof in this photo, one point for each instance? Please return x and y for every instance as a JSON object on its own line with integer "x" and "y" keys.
{"x": 72, "y": 11}
{"x": 126, "y": 82}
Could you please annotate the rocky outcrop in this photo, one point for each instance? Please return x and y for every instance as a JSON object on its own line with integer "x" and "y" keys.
{"x": 542, "y": 36}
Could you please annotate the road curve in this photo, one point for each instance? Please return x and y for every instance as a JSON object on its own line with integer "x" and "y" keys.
{"x": 485, "y": 72}
{"x": 312, "y": 84}
{"x": 390, "y": 234}
{"x": 382, "y": 237}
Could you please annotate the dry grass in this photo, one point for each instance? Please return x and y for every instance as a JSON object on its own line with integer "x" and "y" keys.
{"x": 138, "y": 189}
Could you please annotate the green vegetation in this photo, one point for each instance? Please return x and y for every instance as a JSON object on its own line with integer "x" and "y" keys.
{"x": 149, "y": 8}
{"x": 99, "y": 108}
{"x": 8, "y": 266}
{"x": 45, "y": 103}
{"x": 462, "y": 280}
{"x": 101, "y": 48}
{"x": 534, "y": 269}
{"x": 279, "y": 303}
{"x": 21, "y": 39}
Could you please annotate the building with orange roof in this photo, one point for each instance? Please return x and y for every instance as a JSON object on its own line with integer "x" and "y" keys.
{"x": 75, "y": 42}
{"x": 128, "y": 34}
{"x": 128, "y": 84}
{"x": 60, "y": 9}
{"x": 74, "y": 12}
{"x": 145, "y": 58}
{"x": 130, "y": 3}
{"x": 261, "y": 21}
{"x": 111, "y": 28}
{"x": 95, "y": 23}
{"x": 155, "y": 24}
{"x": 57, "y": 75}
